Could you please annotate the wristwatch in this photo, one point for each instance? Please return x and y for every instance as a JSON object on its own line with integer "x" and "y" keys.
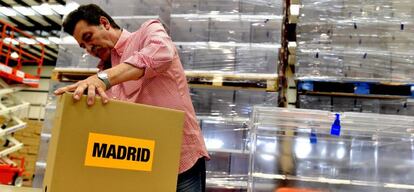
{"x": 103, "y": 76}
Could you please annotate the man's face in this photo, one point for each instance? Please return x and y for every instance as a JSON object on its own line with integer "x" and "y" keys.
{"x": 95, "y": 39}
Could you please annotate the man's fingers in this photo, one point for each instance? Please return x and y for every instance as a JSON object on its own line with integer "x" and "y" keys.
{"x": 66, "y": 89}
{"x": 91, "y": 94}
{"x": 93, "y": 87}
{"x": 79, "y": 91}
{"x": 101, "y": 92}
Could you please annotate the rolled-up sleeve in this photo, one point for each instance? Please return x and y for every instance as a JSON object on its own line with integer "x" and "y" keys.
{"x": 158, "y": 50}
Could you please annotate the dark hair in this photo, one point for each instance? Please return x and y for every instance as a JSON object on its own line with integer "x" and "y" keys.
{"x": 90, "y": 13}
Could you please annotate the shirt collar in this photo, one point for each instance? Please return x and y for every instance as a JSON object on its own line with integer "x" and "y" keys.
{"x": 122, "y": 42}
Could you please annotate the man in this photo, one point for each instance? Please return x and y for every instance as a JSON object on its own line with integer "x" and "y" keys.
{"x": 140, "y": 67}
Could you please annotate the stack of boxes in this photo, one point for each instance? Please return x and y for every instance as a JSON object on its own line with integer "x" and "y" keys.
{"x": 229, "y": 103}
{"x": 236, "y": 36}
{"x": 30, "y": 137}
{"x": 355, "y": 41}
{"x": 227, "y": 37}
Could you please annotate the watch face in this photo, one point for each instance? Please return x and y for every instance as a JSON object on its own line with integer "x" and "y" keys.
{"x": 103, "y": 75}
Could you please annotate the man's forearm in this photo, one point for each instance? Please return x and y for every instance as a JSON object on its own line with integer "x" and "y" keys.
{"x": 124, "y": 72}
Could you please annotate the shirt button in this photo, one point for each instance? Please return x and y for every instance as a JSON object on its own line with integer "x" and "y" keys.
{"x": 114, "y": 98}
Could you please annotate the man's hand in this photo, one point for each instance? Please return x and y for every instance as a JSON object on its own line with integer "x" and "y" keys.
{"x": 118, "y": 74}
{"x": 92, "y": 84}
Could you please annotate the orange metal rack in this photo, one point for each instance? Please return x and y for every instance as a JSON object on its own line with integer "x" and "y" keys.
{"x": 14, "y": 53}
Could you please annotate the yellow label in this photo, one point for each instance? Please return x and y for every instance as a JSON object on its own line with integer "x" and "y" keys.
{"x": 119, "y": 152}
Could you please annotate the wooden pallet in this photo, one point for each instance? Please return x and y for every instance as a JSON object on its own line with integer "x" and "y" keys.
{"x": 72, "y": 74}
{"x": 197, "y": 79}
{"x": 265, "y": 82}
{"x": 378, "y": 90}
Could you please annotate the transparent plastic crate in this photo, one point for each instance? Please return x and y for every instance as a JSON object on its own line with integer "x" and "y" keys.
{"x": 341, "y": 104}
{"x": 394, "y": 107}
{"x": 253, "y": 30}
{"x": 219, "y": 6}
{"x": 226, "y": 141}
{"x": 294, "y": 147}
{"x": 242, "y": 58}
{"x": 365, "y": 105}
{"x": 225, "y": 134}
{"x": 244, "y": 28}
{"x": 218, "y": 59}
{"x": 253, "y": 7}
{"x": 229, "y": 103}
{"x": 189, "y": 29}
{"x": 344, "y": 63}
{"x": 219, "y": 30}
{"x": 185, "y": 6}
{"x": 368, "y": 105}
{"x": 356, "y": 9}
{"x": 262, "y": 7}
{"x": 368, "y": 40}
{"x": 315, "y": 102}
{"x": 266, "y": 30}
{"x": 409, "y": 108}
{"x": 257, "y": 59}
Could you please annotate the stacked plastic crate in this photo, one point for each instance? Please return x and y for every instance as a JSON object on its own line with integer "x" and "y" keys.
{"x": 233, "y": 42}
{"x": 356, "y": 41}
{"x": 316, "y": 151}
{"x": 352, "y": 55}
{"x": 367, "y": 105}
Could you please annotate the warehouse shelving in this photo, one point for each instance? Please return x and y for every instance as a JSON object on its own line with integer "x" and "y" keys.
{"x": 283, "y": 81}
{"x": 196, "y": 79}
{"x": 11, "y": 108}
{"x": 15, "y": 53}
{"x": 17, "y": 50}
{"x": 249, "y": 85}
{"x": 214, "y": 60}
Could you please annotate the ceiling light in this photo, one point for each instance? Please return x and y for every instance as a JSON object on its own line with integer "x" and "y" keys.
{"x": 8, "y": 40}
{"x": 43, "y": 9}
{"x": 59, "y": 9}
{"x": 24, "y": 10}
{"x": 14, "y": 55}
{"x": 27, "y": 40}
{"x": 7, "y": 11}
{"x": 71, "y": 6}
{"x": 55, "y": 40}
{"x": 43, "y": 40}
{"x": 69, "y": 40}
{"x": 63, "y": 10}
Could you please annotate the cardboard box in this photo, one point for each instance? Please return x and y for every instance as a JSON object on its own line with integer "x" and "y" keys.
{"x": 119, "y": 146}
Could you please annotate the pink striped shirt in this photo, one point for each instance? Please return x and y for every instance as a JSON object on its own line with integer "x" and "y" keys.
{"x": 164, "y": 83}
